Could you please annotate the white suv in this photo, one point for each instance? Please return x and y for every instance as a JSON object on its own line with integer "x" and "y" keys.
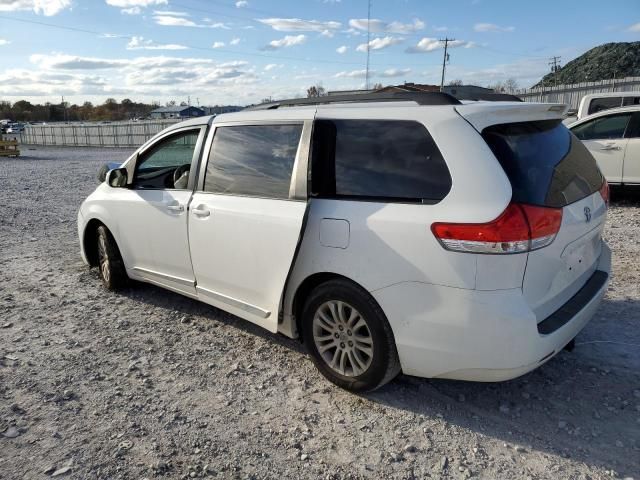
{"x": 402, "y": 232}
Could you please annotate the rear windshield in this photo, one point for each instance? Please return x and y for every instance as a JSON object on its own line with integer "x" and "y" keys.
{"x": 546, "y": 164}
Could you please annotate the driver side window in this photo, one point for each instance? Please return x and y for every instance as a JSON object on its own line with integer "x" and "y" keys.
{"x": 166, "y": 164}
{"x": 610, "y": 127}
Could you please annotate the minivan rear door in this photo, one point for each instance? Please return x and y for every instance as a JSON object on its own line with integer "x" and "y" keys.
{"x": 549, "y": 167}
{"x": 247, "y": 215}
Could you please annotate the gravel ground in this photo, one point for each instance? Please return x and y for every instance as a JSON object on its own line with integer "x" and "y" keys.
{"x": 147, "y": 383}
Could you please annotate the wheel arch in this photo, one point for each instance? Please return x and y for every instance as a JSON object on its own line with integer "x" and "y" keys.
{"x": 302, "y": 293}
{"x": 89, "y": 241}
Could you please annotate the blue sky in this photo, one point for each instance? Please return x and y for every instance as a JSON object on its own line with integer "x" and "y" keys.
{"x": 240, "y": 51}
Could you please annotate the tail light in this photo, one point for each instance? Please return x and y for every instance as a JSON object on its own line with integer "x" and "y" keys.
{"x": 604, "y": 192}
{"x": 520, "y": 228}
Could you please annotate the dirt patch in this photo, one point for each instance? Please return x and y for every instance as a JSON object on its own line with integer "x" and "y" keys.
{"x": 147, "y": 383}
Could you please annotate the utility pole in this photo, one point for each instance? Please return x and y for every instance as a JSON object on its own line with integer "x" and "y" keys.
{"x": 366, "y": 83}
{"x": 555, "y": 66}
{"x": 64, "y": 110}
{"x": 445, "y": 58}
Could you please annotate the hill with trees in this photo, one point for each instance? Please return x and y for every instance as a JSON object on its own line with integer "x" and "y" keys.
{"x": 611, "y": 60}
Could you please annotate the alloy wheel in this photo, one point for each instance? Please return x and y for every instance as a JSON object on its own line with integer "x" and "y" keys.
{"x": 343, "y": 338}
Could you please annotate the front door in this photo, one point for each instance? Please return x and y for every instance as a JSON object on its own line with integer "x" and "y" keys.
{"x": 152, "y": 212}
{"x": 631, "y": 169}
{"x": 604, "y": 137}
{"x": 247, "y": 214}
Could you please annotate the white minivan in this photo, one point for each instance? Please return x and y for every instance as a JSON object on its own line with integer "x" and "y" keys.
{"x": 390, "y": 232}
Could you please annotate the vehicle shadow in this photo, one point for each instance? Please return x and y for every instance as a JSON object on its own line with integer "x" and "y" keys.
{"x": 579, "y": 405}
{"x": 628, "y": 196}
{"x": 162, "y": 298}
{"x": 583, "y": 404}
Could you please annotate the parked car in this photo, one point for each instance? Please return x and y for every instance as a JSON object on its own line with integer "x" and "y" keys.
{"x": 15, "y": 128}
{"x": 390, "y": 232}
{"x": 613, "y": 138}
{"x": 598, "y": 102}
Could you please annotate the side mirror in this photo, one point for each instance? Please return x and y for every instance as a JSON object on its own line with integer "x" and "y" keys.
{"x": 117, "y": 178}
{"x": 102, "y": 173}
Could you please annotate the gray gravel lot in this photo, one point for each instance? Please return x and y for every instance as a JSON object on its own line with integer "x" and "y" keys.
{"x": 147, "y": 383}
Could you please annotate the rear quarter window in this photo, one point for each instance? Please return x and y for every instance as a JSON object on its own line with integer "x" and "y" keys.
{"x": 604, "y": 103}
{"x": 389, "y": 160}
{"x": 546, "y": 164}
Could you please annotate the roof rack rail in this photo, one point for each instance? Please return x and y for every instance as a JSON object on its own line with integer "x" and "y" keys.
{"x": 489, "y": 97}
{"x": 421, "y": 98}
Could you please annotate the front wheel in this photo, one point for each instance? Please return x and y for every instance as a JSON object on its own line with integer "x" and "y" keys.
{"x": 348, "y": 337}
{"x": 112, "y": 271}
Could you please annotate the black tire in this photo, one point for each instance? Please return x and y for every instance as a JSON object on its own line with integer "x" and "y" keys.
{"x": 110, "y": 264}
{"x": 384, "y": 363}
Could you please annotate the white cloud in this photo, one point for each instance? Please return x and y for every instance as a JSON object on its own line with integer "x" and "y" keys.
{"x": 634, "y": 28}
{"x": 173, "y": 21}
{"x": 379, "y": 43}
{"x": 139, "y": 43}
{"x": 234, "y": 41}
{"x": 271, "y": 66}
{"x": 395, "y": 72}
{"x": 287, "y": 41}
{"x": 224, "y": 26}
{"x": 354, "y": 74}
{"x": 343, "y": 49}
{"x": 4, "y": 41}
{"x": 144, "y": 78}
{"x": 327, "y": 33}
{"x": 426, "y": 45}
{"x": 217, "y": 45}
{"x": 72, "y": 62}
{"x": 135, "y": 3}
{"x": 242, "y": 4}
{"x": 131, "y": 11}
{"x": 44, "y": 7}
{"x": 298, "y": 25}
{"x": 378, "y": 26}
{"x": 171, "y": 13}
{"x": 491, "y": 27}
{"x": 143, "y": 72}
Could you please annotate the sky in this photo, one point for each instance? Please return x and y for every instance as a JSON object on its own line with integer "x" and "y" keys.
{"x": 242, "y": 51}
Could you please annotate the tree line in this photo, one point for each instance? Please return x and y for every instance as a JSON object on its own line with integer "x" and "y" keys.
{"x": 111, "y": 110}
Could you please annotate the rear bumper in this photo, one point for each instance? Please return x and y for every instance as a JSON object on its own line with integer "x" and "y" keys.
{"x": 482, "y": 335}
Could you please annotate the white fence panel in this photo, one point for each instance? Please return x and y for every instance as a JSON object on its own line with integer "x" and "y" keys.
{"x": 120, "y": 134}
{"x": 572, "y": 94}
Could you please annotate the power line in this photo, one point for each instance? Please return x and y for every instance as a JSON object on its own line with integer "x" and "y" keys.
{"x": 194, "y": 47}
{"x": 445, "y": 58}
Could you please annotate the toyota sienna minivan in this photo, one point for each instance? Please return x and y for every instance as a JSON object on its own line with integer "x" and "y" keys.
{"x": 389, "y": 232}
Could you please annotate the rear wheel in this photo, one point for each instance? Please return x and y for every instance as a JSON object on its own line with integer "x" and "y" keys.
{"x": 348, "y": 337}
{"x": 112, "y": 271}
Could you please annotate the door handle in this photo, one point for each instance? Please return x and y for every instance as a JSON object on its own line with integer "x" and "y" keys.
{"x": 610, "y": 147}
{"x": 175, "y": 208}
{"x": 201, "y": 211}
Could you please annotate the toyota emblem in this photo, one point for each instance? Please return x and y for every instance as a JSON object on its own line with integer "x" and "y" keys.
{"x": 587, "y": 214}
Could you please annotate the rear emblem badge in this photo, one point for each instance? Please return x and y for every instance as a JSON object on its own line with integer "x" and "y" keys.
{"x": 587, "y": 214}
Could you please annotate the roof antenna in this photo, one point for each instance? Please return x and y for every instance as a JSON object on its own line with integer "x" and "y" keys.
{"x": 368, "y": 40}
